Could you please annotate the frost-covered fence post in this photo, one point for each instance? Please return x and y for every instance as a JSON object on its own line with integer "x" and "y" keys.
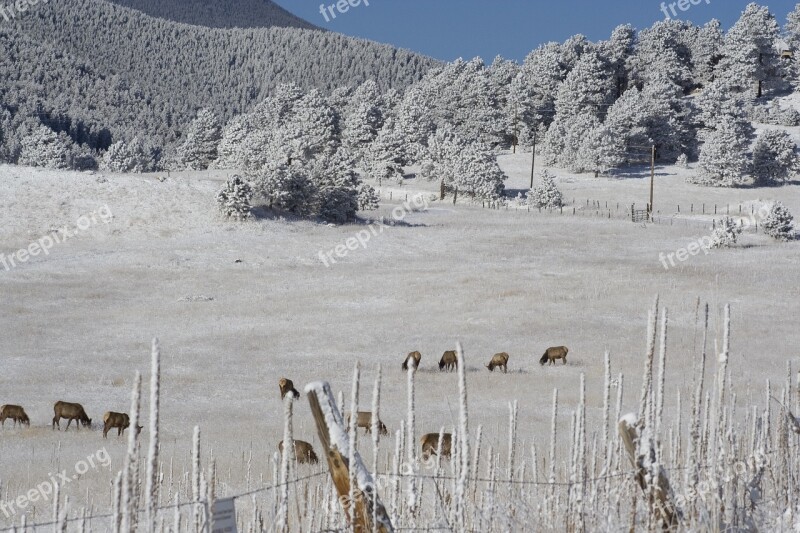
{"x": 463, "y": 443}
{"x": 411, "y": 450}
{"x": 130, "y": 467}
{"x": 287, "y": 458}
{"x": 336, "y": 448}
{"x": 152, "y": 453}
{"x": 353, "y": 432}
{"x": 376, "y": 437}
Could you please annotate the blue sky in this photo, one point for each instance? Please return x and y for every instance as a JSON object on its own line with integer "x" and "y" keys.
{"x": 448, "y": 29}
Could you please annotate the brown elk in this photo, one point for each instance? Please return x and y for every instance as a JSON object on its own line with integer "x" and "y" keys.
{"x": 287, "y": 387}
{"x": 449, "y": 361}
{"x": 553, "y": 353}
{"x": 364, "y": 420}
{"x": 413, "y": 358}
{"x": 303, "y": 450}
{"x": 499, "y": 360}
{"x": 15, "y": 413}
{"x": 430, "y": 444}
{"x": 120, "y": 421}
{"x": 70, "y": 411}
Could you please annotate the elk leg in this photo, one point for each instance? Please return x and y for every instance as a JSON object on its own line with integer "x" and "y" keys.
{"x": 69, "y": 421}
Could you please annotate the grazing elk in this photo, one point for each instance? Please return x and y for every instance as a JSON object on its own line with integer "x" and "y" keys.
{"x": 120, "y": 421}
{"x": 303, "y": 451}
{"x": 499, "y": 360}
{"x": 413, "y": 358}
{"x": 15, "y": 413}
{"x": 364, "y": 420}
{"x": 449, "y": 361}
{"x": 287, "y": 387}
{"x": 551, "y": 354}
{"x": 430, "y": 444}
{"x": 70, "y": 411}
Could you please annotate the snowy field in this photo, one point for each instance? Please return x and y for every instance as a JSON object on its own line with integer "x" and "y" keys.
{"x": 237, "y": 306}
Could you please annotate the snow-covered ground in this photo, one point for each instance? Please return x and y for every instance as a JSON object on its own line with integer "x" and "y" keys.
{"x": 236, "y": 306}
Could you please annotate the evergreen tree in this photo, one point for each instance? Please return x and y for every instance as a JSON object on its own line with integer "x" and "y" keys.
{"x": 287, "y": 188}
{"x": 202, "y": 138}
{"x": 368, "y": 198}
{"x": 45, "y": 148}
{"x": 385, "y": 156}
{"x": 234, "y": 198}
{"x": 723, "y": 162}
{"x": 414, "y": 124}
{"x": 134, "y": 156}
{"x": 774, "y": 158}
{"x": 779, "y": 223}
{"x": 748, "y": 53}
{"x": 546, "y": 195}
{"x": 661, "y": 51}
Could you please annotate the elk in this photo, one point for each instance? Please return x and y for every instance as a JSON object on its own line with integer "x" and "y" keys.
{"x": 413, "y": 358}
{"x": 287, "y": 387}
{"x": 449, "y": 361}
{"x": 499, "y": 360}
{"x": 15, "y": 413}
{"x": 553, "y": 353}
{"x": 303, "y": 451}
{"x": 364, "y": 420}
{"x": 430, "y": 444}
{"x": 120, "y": 421}
{"x": 70, "y": 411}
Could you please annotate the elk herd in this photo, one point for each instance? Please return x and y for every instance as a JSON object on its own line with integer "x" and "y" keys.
{"x": 69, "y": 412}
{"x": 429, "y": 442}
{"x": 304, "y": 451}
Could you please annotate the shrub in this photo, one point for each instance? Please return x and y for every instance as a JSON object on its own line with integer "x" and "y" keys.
{"x": 234, "y": 198}
{"x": 779, "y": 223}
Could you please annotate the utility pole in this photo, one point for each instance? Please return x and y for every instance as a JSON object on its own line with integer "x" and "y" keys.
{"x": 652, "y": 177}
{"x": 533, "y": 155}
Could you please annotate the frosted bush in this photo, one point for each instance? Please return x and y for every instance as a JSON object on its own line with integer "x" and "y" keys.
{"x": 726, "y": 234}
{"x": 779, "y": 223}
{"x": 234, "y": 198}
{"x": 547, "y": 194}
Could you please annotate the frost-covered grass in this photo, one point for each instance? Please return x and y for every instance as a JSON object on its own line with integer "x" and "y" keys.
{"x": 78, "y": 323}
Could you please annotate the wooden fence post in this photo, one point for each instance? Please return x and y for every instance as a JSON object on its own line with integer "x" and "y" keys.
{"x": 658, "y": 492}
{"x": 336, "y": 448}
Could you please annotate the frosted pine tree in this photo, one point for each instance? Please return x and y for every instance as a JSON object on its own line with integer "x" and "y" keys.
{"x": 546, "y": 195}
{"x": 134, "y": 156}
{"x": 414, "y": 124}
{"x": 723, "y": 162}
{"x": 582, "y": 103}
{"x": 792, "y": 28}
{"x": 199, "y": 149}
{"x": 726, "y": 234}
{"x": 234, "y": 198}
{"x": 45, "y": 148}
{"x": 287, "y": 188}
{"x": 779, "y": 223}
{"x": 368, "y": 198}
{"x": 618, "y": 51}
{"x": 602, "y": 149}
{"x": 534, "y": 89}
{"x": 660, "y": 52}
{"x": 384, "y": 158}
{"x": 706, "y": 47}
{"x": 361, "y": 129}
{"x": 774, "y": 158}
{"x": 748, "y": 53}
